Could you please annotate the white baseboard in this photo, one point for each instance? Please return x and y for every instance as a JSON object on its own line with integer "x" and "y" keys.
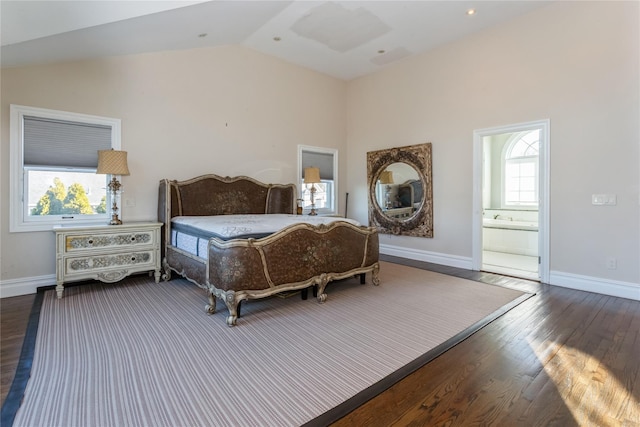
{"x": 573, "y": 281}
{"x": 593, "y": 284}
{"x": 25, "y": 286}
{"x": 434, "y": 257}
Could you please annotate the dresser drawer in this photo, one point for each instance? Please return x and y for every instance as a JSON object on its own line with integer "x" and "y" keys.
{"x": 84, "y": 242}
{"x": 101, "y": 266}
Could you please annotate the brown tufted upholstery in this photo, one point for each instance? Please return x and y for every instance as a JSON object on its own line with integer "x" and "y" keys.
{"x": 297, "y": 257}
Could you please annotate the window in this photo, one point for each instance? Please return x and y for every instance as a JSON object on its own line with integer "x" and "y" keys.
{"x": 521, "y": 169}
{"x": 54, "y": 156}
{"x": 325, "y": 197}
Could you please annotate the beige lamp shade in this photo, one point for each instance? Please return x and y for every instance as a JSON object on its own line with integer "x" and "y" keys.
{"x": 386, "y": 177}
{"x": 311, "y": 175}
{"x": 112, "y": 162}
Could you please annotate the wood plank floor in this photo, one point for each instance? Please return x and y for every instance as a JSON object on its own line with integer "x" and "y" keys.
{"x": 14, "y": 316}
{"x": 563, "y": 357}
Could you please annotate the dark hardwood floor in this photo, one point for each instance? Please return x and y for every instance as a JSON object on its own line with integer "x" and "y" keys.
{"x": 562, "y": 357}
{"x": 14, "y": 316}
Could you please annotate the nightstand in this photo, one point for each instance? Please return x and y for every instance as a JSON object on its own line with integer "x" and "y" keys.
{"x": 107, "y": 253}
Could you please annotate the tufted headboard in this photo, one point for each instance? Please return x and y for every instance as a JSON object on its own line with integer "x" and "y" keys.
{"x": 214, "y": 195}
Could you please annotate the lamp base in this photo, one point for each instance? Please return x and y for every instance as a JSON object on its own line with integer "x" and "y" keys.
{"x": 313, "y": 205}
{"x": 115, "y": 220}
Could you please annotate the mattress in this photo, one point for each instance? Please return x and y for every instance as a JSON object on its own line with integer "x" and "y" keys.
{"x": 192, "y": 233}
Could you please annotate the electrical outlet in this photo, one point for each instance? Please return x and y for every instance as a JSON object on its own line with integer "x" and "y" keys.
{"x": 612, "y": 263}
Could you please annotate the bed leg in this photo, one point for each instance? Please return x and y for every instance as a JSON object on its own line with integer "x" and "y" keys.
{"x": 166, "y": 271}
{"x": 374, "y": 275}
{"x": 211, "y": 307}
{"x": 231, "y": 320}
{"x": 322, "y": 297}
{"x": 304, "y": 293}
{"x": 362, "y": 278}
{"x": 233, "y": 307}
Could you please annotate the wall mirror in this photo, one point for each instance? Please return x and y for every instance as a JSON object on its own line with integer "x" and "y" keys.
{"x": 400, "y": 190}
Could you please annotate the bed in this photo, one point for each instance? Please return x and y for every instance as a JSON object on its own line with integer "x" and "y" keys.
{"x": 213, "y": 235}
{"x": 410, "y": 194}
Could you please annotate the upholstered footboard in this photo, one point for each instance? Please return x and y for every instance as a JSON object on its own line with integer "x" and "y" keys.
{"x": 297, "y": 257}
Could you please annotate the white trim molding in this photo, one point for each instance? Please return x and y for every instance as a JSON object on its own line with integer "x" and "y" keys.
{"x": 594, "y": 284}
{"x": 426, "y": 256}
{"x": 566, "y": 280}
{"x": 543, "y": 202}
{"x": 25, "y": 286}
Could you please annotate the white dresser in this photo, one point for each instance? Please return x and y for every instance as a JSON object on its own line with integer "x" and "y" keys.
{"x": 107, "y": 253}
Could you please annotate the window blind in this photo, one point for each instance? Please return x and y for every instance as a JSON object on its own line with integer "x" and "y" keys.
{"x": 322, "y": 161}
{"x": 50, "y": 142}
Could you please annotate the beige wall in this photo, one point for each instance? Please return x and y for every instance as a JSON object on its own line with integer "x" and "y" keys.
{"x": 575, "y": 63}
{"x": 227, "y": 110}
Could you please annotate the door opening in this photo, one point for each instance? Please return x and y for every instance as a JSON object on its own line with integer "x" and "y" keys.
{"x": 510, "y": 200}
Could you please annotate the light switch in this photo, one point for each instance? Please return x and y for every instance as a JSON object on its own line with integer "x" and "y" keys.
{"x": 604, "y": 199}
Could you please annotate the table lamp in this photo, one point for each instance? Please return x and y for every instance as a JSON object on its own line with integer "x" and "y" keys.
{"x": 312, "y": 176}
{"x": 386, "y": 177}
{"x": 113, "y": 162}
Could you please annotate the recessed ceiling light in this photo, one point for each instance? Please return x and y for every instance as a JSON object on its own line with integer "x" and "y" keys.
{"x": 276, "y": 39}
{"x": 201, "y": 35}
{"x": 471, "y": 12}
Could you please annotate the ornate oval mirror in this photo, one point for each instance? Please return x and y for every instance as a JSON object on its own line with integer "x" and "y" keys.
{"x": 400, "y": 192}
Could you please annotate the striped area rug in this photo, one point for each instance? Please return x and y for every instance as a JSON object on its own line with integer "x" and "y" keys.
{"x": 139, "y": 353}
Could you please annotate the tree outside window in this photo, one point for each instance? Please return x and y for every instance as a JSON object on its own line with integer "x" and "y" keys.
{"x": 59, "y": 200}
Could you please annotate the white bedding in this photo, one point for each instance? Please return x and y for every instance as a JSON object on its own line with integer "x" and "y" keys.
{"x": 191, "y": 233}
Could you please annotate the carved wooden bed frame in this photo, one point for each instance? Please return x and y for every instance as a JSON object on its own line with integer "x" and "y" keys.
{"x": 296, "y": 257}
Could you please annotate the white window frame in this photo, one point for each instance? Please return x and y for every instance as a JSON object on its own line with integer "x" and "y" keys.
{"x": 19, "y": 220}
{"x": 333, "y": 197}
{"x": 508, "y": 146}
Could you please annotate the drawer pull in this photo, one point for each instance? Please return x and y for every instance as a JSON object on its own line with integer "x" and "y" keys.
{"x": 133, "y": 238}
{"x": 90, "y": 241}
{"x": 133, "y": 258}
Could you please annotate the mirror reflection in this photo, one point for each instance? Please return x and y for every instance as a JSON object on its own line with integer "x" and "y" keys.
{"x": 399, "y": 191}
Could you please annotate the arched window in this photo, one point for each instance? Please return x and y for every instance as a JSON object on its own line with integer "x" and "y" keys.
{"x": 521, "y": 169}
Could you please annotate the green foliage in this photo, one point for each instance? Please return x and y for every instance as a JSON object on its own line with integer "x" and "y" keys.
{"x": 102, "y": 207}
{"x": 60, "y": 201}
{"x": 51, "y": 203}
{"x": 77, "y": 201}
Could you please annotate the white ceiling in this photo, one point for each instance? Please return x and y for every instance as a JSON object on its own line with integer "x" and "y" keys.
{"x": 344, "y": 39}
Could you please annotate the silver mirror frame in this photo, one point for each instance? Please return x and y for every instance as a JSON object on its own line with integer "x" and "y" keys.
{"x": 420, "y": 224}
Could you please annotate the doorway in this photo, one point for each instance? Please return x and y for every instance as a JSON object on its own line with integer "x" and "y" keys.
{"x": 510, "y": 225}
